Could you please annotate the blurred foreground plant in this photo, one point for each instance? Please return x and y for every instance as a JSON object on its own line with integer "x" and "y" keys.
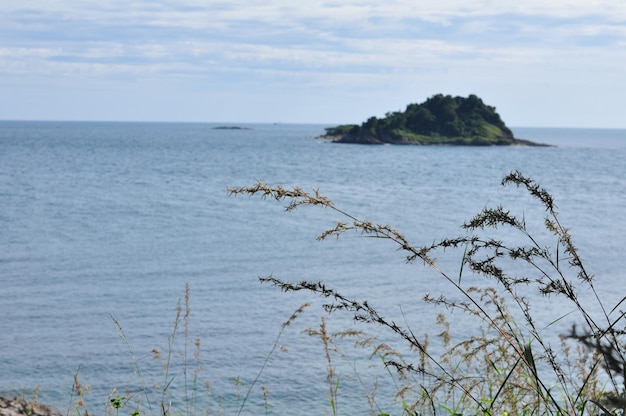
{"x": 158, "y": 398}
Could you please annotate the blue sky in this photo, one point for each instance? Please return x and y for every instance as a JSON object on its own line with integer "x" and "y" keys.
{"x": 558, "y": 63}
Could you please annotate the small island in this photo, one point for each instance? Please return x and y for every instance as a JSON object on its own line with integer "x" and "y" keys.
{"x": 440, "y": 120}
{"x": 230, "y": 128}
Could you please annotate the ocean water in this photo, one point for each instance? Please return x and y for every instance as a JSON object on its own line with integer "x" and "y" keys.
{"x": 103, "y": 221}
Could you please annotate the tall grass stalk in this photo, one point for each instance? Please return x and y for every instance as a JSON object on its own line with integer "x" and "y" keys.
{"x": 190, "y": 386}
{"x": 134, "y": 361}
{"x": 165, "y": 404}
{"x": 331, "y": 377}
{"x": 189, "y": 401}
{"x": 276, "y": 344}
{"x": 509, "y": 367}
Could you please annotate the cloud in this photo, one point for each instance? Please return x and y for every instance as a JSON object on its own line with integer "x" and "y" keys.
{"x": 351, "y": 44}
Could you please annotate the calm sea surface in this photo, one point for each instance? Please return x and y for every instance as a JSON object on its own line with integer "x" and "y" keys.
{"x": 102, "y": 220}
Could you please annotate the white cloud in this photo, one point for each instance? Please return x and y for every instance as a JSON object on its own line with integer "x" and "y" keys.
{"x": 351, "y": 45}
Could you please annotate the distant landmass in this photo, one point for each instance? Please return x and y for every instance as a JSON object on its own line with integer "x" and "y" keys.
{"x": 230, "y": 128}
{"x": 440, "y": 120}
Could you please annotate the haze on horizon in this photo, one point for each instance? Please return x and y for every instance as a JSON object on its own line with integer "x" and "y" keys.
{"x": 560, "y": 63}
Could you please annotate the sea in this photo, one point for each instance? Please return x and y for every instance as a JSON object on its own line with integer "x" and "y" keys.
{"x": 127, "y": 267}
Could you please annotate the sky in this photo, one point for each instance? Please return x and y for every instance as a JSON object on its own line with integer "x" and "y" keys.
{"x": 542, "y": 63}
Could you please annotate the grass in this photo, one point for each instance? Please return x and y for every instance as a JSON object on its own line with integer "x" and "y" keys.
{"x": 180, "y": 369}
{"x": 508, "y": 366}
{"x": 492, "y": 136}
{"x": 506, "y": 363}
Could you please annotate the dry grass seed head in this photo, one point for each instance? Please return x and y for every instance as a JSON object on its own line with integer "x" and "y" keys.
{"x": 296, "y": 313}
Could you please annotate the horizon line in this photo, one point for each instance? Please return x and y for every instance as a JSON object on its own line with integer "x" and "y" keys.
{"x": 235, "y": 123}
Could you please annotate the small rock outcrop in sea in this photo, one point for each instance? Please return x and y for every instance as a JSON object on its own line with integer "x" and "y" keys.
{"x": 20, "y": 407}
{"x": 440, "y": 120}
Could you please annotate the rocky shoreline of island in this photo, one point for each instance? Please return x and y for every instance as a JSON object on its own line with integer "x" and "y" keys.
{"x": 369, "y": 140}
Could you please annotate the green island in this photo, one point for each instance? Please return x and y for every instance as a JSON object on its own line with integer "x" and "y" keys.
{"x": 440, "y": 120}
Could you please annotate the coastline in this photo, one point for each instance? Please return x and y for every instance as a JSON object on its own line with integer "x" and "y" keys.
{"x": 21, "y": 407}
{"x": 450, "y": 141}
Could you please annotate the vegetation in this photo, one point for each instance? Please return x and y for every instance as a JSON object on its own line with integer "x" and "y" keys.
{"x": 508, "y": 366}
{"x": 176, "y": 388}
{"x": 442, "y": 119}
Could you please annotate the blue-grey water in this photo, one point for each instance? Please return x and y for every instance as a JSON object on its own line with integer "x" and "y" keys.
{"x": 114, "y": 219}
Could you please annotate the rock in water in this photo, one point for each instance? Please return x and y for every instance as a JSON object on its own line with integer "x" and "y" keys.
{"x": 19, "y": 407}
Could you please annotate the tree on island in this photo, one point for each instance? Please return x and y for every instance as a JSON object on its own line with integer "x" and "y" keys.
{"x": 442, "y": 119}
